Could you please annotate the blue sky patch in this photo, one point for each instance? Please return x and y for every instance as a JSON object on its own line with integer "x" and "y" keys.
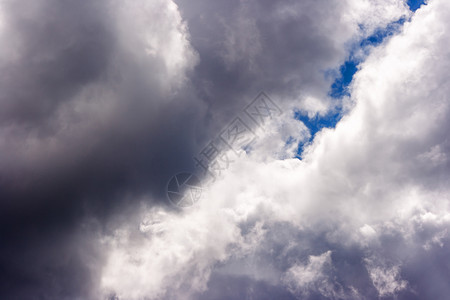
{"x": 316, "y": 124}
{"x": 415, "y": 4}
{"x": 347, "y": 70}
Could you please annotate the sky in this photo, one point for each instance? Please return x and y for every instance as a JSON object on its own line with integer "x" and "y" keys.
{"x": 212, "y": 150}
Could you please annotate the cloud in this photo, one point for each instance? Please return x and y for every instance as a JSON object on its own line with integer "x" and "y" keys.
{"x": 303, "y": 279}
{"x": 290, "y": 49}
{"x": 102, "y": 102}
{"x": 89, "y": 108}
{"x": 385, "y": 279}
{"x": 359, "y": 192}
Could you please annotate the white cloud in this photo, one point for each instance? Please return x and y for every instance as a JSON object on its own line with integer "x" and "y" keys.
{"x": 386, "y": 279}
{"x": 302, "y": 279}
{"x": 372, "y": 14}
{"x": 169, "y": 251}
{"x": 155, "y": 29}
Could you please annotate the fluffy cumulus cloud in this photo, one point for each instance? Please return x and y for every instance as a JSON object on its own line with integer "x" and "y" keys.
{"x": 102, "y": 102}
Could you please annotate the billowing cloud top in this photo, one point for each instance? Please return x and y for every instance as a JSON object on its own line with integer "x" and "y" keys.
{"x": 102, "y": 103}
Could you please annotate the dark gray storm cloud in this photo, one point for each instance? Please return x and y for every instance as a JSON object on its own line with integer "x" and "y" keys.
{"x": 86, "y": 128}
{"x": 283, "y": 47}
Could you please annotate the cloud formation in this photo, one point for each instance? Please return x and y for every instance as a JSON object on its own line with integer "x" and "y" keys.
{"x": 350, "y": 214}
{"x": 102, "y": 102}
